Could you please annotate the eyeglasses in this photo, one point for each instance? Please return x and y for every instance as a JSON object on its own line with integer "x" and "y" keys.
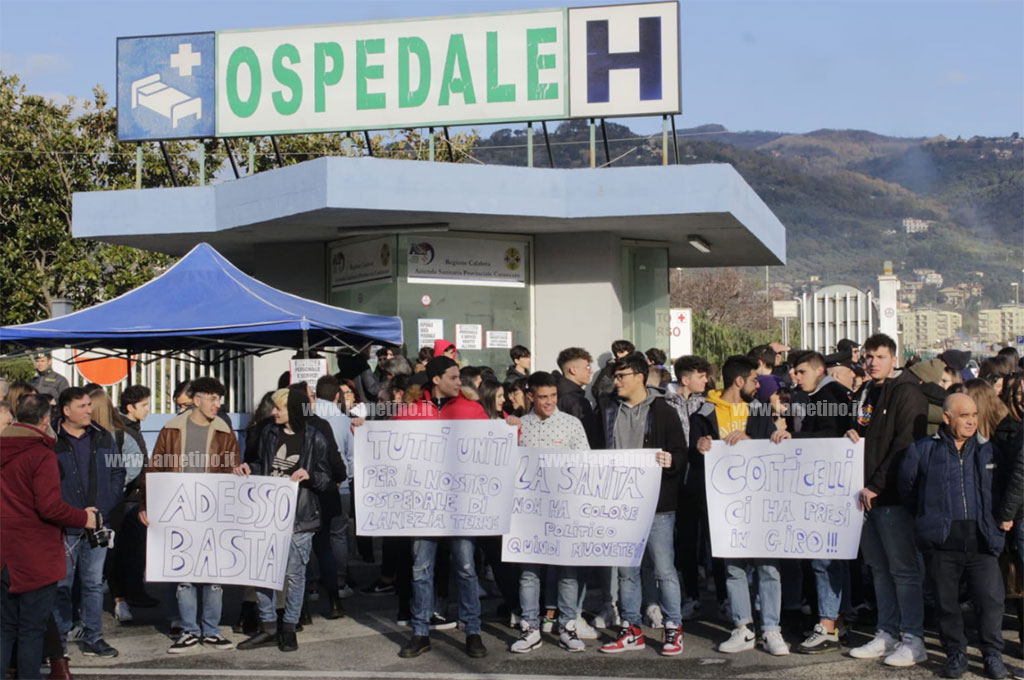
{"x": 619, "y": 377}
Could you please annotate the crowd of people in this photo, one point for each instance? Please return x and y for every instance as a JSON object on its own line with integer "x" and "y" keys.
{"x": 943, "y": 499}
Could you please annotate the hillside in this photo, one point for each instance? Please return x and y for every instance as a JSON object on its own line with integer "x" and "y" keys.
{"x": 843, "y": 194}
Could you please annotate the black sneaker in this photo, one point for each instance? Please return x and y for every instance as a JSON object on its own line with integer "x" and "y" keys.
{"x": 217, "y": 642}
{"x": 287, "y": 642}
{"x": 955, "y": 666}
{"x": 184, "y": 641}
{"x": 416, "y": 645}
{"x": 819, "y": 642}
{"x": 995, "y": 668}
{"x": 475, "y": 647}
{"x": 438, "y": 622}
{"x": 379, "y": 588}
{"x": 260, "y": 639}
{"x": 101, "y": 648}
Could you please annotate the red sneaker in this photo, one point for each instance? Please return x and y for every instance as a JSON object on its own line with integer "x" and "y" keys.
{"x": 673, "y": 641}
{"x": 629, "y": 637}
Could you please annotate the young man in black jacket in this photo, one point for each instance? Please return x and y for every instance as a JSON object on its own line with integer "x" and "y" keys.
{"x": 733, "y": 415}
{"x": 828, "y": 412}
{"x": 575, "y": 366}
{"x": 641, "y": 418}
{"x": 893, "y": 414}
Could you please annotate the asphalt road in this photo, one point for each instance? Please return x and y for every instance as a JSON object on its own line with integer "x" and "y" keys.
{"x": 365, "y": 645}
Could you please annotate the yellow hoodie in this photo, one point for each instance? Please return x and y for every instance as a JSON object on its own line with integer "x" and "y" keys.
{"x": 731, "y": 417}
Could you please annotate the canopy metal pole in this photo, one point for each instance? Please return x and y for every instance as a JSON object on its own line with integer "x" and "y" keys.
{"x": 448, "y": 143}
{"x": 277, "y": 153}
{"x": 305, "y": 344}
{"x": 607, "y": 153}
{"x": 170, "y": 168}
{"x": 675, "y": 142}
{"x": 547, "y": 143}
{"x": 231, "y": 157}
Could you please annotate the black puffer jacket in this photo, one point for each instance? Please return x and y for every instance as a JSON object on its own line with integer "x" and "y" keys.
{"x": 898, "y": 419}
{"x": 1009, "y": 444}
{"x": 313, "y": 460}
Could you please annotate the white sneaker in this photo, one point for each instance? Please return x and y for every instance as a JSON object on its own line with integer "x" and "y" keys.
{"x": 345, "y": 592}
{"x": 740, "y": 640}
{"x": 528, "y": 640}
{"x": 725, "y": 612}
{"x": 584, "y": 630}
{"x": 774, "y": 644}
{"x": 653, "y": 616}
{"x": 122, "y": 612}
{"x": 608, "y": 617}
{"x": 691, "y": 610}
{"x": 881, "y": 645}
{"x": 514, "y": 621}
{"x": 909, "y": 651}
{"x": 569, "y": 640}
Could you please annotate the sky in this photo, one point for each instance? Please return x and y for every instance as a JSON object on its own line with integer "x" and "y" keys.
{"x": 908, "y": 68}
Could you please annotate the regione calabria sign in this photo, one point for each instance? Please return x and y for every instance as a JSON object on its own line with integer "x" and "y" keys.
{"x": 609, "y": 61}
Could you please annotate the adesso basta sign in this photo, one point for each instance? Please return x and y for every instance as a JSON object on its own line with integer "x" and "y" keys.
{"x": 610, "y": 61}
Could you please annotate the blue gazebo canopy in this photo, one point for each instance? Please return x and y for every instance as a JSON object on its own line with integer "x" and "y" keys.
{"x": 205, "y": 302}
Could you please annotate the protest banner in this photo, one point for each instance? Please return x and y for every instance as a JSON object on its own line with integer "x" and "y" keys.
{"x": 434, "y": 477}
{"x": 218, "y": 528}
{"x": 794, "y": 499}
{"x": 590, "y": 508}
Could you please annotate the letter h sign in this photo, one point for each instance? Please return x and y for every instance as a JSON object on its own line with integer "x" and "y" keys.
{"x": 624, "y": 60}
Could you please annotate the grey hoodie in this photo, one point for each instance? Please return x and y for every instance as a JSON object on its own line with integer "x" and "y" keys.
{"x": 631, "y": 421}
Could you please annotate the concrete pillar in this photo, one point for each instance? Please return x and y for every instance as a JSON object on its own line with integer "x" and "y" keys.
{"x": 577, "y": 295}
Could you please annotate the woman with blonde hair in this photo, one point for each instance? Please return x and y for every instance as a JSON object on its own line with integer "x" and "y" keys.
{"x": 991, "y": 410}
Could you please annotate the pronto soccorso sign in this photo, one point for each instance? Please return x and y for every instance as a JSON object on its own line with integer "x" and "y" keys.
{"x": 616, "y": 60}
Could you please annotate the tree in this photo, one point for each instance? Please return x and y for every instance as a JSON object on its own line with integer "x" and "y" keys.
{"x": 725, "y": 295}
{"x": 49, "y": 154}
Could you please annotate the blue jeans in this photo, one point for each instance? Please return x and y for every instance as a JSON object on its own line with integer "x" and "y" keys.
{"x": 188, "y": 605}
{"x": 889, "y": 549}
{"x": 830, "y": 577}
{"x": 424, "y": 551}
{"x": 295, "y": 582}
{"x": 769, "y": 587}
{"x": 661, "y": 551}
{"x": 569, "y": 600}
{"x": 88, "y": 562}
{"x": 23, "y": 619}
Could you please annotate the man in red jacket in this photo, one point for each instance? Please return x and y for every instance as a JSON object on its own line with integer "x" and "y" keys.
{"x": 31, "y": 543}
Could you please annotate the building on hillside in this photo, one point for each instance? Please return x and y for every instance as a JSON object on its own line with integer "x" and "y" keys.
{"x": 831, "y": 313}
{"x": 929, "y": 277}
{"x": 952, "y": 295}
{"x": 1002, "y": 324}
{"x": 927, "y": 327}
{"x": 915, "y": 226}
{"x": 909, "y": 290}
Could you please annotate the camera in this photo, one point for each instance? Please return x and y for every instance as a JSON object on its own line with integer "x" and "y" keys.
{"x": 100, "y": 537}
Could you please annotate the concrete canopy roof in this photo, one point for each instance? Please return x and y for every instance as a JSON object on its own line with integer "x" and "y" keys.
{"x": 329, "y": 198}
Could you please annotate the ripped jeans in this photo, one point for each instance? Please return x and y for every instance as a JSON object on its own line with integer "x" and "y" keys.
{"x": 424, "y": 551}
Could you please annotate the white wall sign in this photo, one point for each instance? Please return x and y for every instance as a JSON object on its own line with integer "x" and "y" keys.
{"x": 307, "y": 370}
{"x": 434, "y": 477}
{"x": 219, "y": 528}
{"x": 361, "y": 262}
{"x": 795, "y": 499}
{"x": 469, "y": 336}
{"x": 680, "y": 337}
{"x": 476, "y": 262}
{"x": 590, "y": 508}
{"x": 429, "y": 330}
{"x": 499, "y": 339}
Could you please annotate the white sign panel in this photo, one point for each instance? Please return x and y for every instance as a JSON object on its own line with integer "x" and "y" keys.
{"x": 307, "y": 370}
{"x": 396, "y": 74}
{"x": 499, "y": 339}
{"x": 590, "y": 508}
{"x": 680, "y": 335}
{"x": 624, "y": 60}
{"x": 796, "y": 499}
{"x": 219, "y": 528}
{"x": 785, "y": 309}
{"x": 434, "y": 477}
{"x": 429, "y": 330}
{"x": 469, "y": 336}
{"x": 361, "y": 262}
{"x": 477, "y": 262}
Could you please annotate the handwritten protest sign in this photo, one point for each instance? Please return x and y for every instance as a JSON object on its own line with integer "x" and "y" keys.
{"x": 434, "y": 477}
{"x": 794, "y": 499}
{"x": 590, "y": 508}
{"x": 218, "y": 528}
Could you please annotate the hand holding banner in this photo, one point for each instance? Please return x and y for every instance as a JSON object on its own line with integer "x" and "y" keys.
{"x": 217, "y": 528}
{"x": 793, "y": 499}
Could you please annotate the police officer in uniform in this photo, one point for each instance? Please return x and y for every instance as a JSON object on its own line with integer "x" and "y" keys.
{"x": 47, "y": 381}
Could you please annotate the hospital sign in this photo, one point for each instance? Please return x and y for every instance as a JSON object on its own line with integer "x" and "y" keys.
{"x": 617, "y": 60}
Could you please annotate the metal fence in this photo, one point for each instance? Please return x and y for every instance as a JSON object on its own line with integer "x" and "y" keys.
{"x": 161, "y": 375}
